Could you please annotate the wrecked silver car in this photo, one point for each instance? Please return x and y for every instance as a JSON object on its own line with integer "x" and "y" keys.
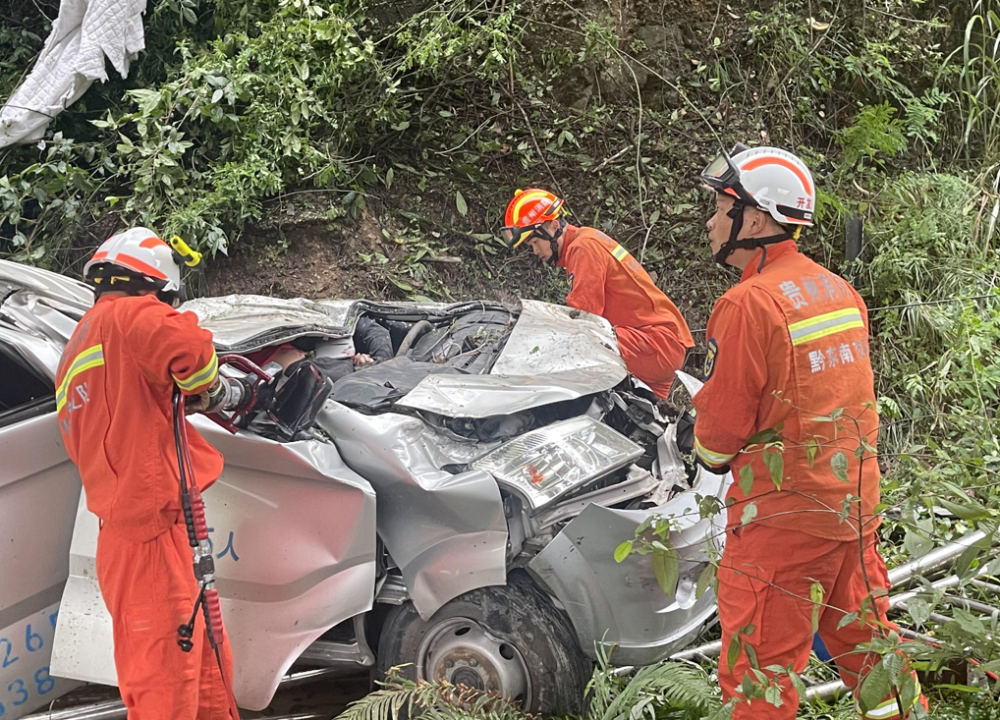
{"x": 454, "y": 508}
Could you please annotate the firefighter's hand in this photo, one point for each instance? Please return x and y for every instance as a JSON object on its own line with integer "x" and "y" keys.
{"x": 362, "y": 359}
{"x": 196, "y": 403}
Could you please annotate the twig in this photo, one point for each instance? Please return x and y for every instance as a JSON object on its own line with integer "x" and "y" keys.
{"x": 538, "y": 149}
{"x": 612, "y": 158}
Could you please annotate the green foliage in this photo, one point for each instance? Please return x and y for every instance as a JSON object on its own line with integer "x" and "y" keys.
{"x": 666, "y": 691}
{"x": 873, "y": 133}
{"x": 439, "y": 700}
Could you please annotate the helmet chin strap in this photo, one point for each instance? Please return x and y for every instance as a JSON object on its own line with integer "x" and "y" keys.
{"x": 735, "y": 243}
{"x": 553, "y": 240}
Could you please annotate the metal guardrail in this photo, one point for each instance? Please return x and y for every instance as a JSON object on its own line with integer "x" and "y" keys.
{"x": 900, "y": 576}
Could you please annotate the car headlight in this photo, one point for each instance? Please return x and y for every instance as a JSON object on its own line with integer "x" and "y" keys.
{"x": 544, "y": 464}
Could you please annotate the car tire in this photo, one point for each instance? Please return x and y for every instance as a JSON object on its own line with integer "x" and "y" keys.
{"x": 508, "y": 640}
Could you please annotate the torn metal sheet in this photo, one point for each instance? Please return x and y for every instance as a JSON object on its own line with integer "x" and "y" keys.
{"x": 292, "y": 534}
{"x": 553, "y": 354}
{"x": 242, "y": 323}
{"x": 14, "y": 276}
{"x": 446, "y": 532}
{"x": 554, "y": 339}
{"x": 621, "y": 603}
{"x": 481, "y": 396}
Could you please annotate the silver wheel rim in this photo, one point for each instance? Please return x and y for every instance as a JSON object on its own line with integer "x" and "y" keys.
{"x": 462, "y": 652}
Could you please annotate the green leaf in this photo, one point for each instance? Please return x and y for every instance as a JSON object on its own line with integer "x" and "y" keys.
{"x": 775, "y": 462}
{"x": 838, "y": 463}
{"x": 874, "y": 688}
{"x": 463, "y": 209}
{"x": 705, "y": 578}
{"x": 847, "y": 620}
{"x": 816, "y": 595}
{"x": 666, "y": 568}
{"x": 916, "y": 540}
{"x": 751, "y": 655}
{"x": 623, "y": 551}
{"x": 746, "y": 479}
{"x": 389, "y": 175}
{"x": 749, "y": 513}
{"x": 772, "y": 695}
{"x": 733, "y": 654}
{"x": 812, "y": 447}
{"x": 764, "y": 437}
{"x": 963, "y": 511}
{"x": 894, "y": 665}
{"x": 919, "y": 609}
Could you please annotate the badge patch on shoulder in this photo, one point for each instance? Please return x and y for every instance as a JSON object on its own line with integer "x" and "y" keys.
{"x": 713, "y": 351}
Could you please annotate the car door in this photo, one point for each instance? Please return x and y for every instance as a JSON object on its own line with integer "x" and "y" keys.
{"x": 292, "y": 530}
{"x": 39, "y": 491}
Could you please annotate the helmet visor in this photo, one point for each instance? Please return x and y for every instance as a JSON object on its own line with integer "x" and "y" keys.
{"x": 722, "y": 175}
{"x": 514, "y": 235}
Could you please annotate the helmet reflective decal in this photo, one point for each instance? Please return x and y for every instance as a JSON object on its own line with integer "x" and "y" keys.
{"x": 713, "y": 351}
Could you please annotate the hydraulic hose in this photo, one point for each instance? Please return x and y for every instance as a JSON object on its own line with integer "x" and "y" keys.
{"x": 411, "y": 337}
{"x": 204, "y": 566}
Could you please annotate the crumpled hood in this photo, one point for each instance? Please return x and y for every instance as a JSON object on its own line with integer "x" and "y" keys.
{"x": 554, "y": 353}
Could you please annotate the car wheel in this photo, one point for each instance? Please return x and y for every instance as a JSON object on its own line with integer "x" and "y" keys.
{"x": 509, "y": 640}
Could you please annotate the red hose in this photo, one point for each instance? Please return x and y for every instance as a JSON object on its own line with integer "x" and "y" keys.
{"x": 212, "y": 606}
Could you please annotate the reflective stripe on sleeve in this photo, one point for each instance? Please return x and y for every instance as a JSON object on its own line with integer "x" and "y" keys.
{"x": 202, "y": 378}
{"x": 619, "y": 253}
{"x": 826, "y": 324}
{"x": 90, "y": 358}
{"x": 711, "y": 457}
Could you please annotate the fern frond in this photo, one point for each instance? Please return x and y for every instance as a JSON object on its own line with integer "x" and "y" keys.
{"x": 431, "y": 700}
{"x": 669, "y": 685}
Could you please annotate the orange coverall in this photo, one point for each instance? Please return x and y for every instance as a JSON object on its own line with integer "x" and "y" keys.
{"x": 606, "y": 280}
{"x": 787, "y": 347}
{"x": 113, "y": 394}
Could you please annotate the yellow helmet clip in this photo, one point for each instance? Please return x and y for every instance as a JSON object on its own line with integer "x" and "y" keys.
{"x": 191, "y": 257}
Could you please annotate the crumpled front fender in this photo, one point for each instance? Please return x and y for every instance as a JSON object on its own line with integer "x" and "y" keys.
{"x": 621, "y": 604}
{"x": 446, "y": 532}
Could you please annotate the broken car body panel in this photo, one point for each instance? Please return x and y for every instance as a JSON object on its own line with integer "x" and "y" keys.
{"x": 291, "y": 530}
{"x": 446, "y": 532}
{"x": 622, "y": 604}
{"x": 294, "y": 523}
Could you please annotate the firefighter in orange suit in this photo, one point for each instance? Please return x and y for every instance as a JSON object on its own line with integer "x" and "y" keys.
{"x": 605, "y": 280}
{"x": 113, "y": 395}
{"x": 787, "y": 346}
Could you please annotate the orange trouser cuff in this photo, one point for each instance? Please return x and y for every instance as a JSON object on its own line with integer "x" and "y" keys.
{"x": 765, "y": 579}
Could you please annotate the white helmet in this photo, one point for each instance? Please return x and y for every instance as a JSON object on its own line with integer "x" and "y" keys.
{"x": 769, "y": 178}
{"x": 135, "y": 259}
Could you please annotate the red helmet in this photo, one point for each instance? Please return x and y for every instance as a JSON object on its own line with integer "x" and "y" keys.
{"x": 529, "y": 210}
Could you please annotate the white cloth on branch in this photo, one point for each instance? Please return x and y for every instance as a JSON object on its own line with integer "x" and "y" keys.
{"x": 73, "y": 57}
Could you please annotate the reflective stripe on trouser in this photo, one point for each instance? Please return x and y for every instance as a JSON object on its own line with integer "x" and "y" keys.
{"x": 90, "y": 358}
{"x": 888, "y": 708}
{"x": 204, "y": 377}
{"x": 765, "y": 579}
{"x": 821, "y": 326}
